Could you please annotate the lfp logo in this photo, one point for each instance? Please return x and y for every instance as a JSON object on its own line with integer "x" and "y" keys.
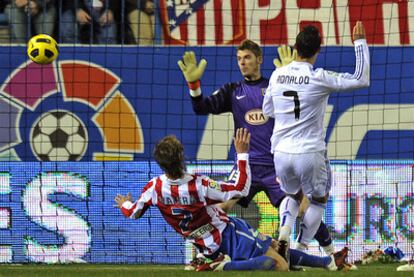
{"x": 67, "y": 111}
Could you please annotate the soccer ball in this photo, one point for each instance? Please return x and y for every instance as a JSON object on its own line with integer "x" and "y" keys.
{"x": 59, "y": 136}
{"x": 42, "y": 49}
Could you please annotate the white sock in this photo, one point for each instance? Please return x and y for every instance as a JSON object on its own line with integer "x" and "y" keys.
{"x": 310, "y": 223}
{"x": 288, "y": 211}
{"x": 284, "y": 233}
{"x": 332, "y": 265}
{"x": 329, "y": 249}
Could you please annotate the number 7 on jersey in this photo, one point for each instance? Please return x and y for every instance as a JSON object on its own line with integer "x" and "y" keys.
{"x": 291, "y": 93}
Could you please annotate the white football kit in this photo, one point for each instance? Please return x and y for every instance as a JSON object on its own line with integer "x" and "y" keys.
{"x": 296, "y": 98}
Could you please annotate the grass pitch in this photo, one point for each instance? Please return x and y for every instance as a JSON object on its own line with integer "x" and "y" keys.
{"x": 102, "y": 270}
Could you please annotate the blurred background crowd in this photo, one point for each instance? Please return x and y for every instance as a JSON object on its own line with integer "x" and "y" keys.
{"x": 79, "y": 21}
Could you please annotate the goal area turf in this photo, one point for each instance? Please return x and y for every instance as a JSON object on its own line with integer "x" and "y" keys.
{"x": 102, "y": 270}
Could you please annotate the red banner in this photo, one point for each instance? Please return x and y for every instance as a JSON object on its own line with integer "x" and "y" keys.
{"x": 221, "y": 22}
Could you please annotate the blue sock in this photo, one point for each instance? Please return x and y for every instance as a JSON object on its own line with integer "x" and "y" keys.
{"x": 257, "y": 263}
{"x": 323, "y": 236}
{"x": 302, "y": 259}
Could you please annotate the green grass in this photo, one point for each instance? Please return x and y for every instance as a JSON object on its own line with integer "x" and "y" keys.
{"x": 172, "y": 270}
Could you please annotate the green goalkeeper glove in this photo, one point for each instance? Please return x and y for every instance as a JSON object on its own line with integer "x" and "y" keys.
{"x": 286, "y": 56}
{"x": 188, "y": 65}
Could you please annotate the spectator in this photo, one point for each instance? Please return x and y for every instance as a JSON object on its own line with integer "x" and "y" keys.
{"x": 140, "y": 16}
{"x": 88, "y": 21}
{"x": 30, "y": 17}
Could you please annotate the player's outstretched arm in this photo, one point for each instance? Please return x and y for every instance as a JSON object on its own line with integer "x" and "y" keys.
{"x": 286, "y": 56}
{"x": 242, "y": 145}
{"x": 362, "y": 68}
{"x": 126, "y": 205}
{"x": 191, "y": 70}
{"x": 218, "y": 102}
{"x": 361, "y": 77}
{"x": 222, "y": 192}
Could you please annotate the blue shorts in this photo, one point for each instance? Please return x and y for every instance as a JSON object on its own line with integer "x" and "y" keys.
{"x": 241, "y": 242}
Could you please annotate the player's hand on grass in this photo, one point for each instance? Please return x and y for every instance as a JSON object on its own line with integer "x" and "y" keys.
{"x": 242, "y": 140}
{"x": 121, "y": 199}
{"x": 191, "y": 70}
{"x": 359, "y": 31}
{"x": 286, "y": 56}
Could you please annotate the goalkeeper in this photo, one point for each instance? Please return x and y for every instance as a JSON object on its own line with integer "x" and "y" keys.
{"x": 244, "y": 100}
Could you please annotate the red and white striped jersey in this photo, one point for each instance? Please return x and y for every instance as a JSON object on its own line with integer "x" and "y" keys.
{"x": 188, "y": 204}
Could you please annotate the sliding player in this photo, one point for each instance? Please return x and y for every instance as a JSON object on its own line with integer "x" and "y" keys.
{"x": 188, "y": 203}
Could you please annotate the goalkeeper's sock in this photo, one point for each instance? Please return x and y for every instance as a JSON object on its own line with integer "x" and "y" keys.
{"x": 257, "y": 263}
{"x": 324, "y": 239}
{"x": 300, "y": 258}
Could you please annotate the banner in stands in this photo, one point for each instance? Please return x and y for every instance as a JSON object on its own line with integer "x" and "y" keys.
{"x": 212, "y": 22}
{"x": 115, "y": 103}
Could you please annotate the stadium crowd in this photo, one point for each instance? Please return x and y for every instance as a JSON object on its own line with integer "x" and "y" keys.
{"x": 81, "y": 21}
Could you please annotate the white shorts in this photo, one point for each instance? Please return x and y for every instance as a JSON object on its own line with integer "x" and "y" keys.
{"x": 310, "y": 172}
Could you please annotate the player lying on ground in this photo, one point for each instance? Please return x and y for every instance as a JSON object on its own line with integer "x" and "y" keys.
{"x": 334, "y": 262}
{"x": 188, "y": 203}
{"x": 244, "y": 99}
